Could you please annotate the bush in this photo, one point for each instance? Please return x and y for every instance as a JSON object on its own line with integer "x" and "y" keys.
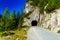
{"x": 1, "y": 28}
{"x": 58, "y": 31}
{"x": 6, "y": 33}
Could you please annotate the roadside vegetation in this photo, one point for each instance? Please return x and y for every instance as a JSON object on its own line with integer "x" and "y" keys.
{"x": 11, "y": 24}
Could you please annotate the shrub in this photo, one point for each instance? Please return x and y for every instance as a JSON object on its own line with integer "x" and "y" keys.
{"x": 58, "y": 31}
{"x": 6, "y": 33}
{"x": 1, "y": 28}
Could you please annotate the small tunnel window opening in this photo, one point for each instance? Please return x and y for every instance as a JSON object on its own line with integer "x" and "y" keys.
{"x": 34, "y": 23}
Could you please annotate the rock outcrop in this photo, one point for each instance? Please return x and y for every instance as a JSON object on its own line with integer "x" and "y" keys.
{"x": 51, "y": 21}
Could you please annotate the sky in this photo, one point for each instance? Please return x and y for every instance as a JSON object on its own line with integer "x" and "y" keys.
{"x": 17, "y": 5}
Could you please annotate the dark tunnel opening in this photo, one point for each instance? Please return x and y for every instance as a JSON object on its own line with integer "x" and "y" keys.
{"x": 34, "y": 23}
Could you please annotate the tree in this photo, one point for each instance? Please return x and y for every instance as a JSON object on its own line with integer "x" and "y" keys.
{"x": 18, "y": 14}
{"x": 6, "y": 13}
{"x": 21, "y": 20}
{"x": 52, "y": 5}
{"x": 0, "y": 20}
{"x": 0, "y": 16}
{"x": 18, "y": 18}
{"x": 5, "y": 21}
{"x": 5, "y": 18}
{"x": 13, "y": 16}
{"x": 12, "y": 22}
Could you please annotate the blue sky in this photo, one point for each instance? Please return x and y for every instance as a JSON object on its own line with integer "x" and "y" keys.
{"x": 17, "y": 5}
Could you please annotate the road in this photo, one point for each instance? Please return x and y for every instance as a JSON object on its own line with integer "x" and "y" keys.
{"x": 37, "y": 33}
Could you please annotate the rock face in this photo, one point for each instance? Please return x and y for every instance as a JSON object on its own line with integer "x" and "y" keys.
{"x": 37, "y": 33}
{"x": 33, "y": 16}
{"x": 51, "y": 21}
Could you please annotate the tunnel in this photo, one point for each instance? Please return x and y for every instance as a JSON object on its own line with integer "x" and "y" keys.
{"x": 34, "y": 23}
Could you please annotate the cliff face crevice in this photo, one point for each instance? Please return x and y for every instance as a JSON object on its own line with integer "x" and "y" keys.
{"x": 51, "y": 20}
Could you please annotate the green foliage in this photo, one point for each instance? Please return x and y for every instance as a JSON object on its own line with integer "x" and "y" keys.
{"x": 52, "y": 5}
{"x": 45, "y": 5}
{"x": 49, "y": 27}
{"x": 26, "y": 15}
{"x": 6, "y": 33}
{"x": 58, "y": 31}
{"x": 18, "y": 15}
{"x": 13, "y": 16}
{"x": 6, "y": 13}
{"x": 1, "y": 28}
{"x": 13, "y": 21}
{"x": 35, "y": 2}
{"x": 5, "y": 19}
{"x": 21, "y": 20}
{"x": 9, "y": 22}
{"x": 41, "y": 4}
{"x": 1, "y": 22}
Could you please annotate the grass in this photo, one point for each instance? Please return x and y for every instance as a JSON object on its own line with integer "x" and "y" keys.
{"x": 21, "y": 35}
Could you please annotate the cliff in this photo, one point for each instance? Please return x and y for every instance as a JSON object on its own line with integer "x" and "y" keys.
{"x": 51, "y": 20}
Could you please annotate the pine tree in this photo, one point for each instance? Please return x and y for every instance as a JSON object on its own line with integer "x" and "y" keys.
{"x": 18, "y": 18}
{"x": 5, "y": 18}
{"x": 0, "y": 16}
{"x": 6, "y": 13}
{"x": 18, "y": 14}
{"x": 13, "y": 15}
{"x": 12, "y": 24}
{"x": 21, "y": 20}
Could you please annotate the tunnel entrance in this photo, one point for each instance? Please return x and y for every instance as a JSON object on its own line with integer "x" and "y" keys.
{"x": 34, "y": 23}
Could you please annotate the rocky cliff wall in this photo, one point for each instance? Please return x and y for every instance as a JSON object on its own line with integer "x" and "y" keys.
{"x": 51, "y": 20}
